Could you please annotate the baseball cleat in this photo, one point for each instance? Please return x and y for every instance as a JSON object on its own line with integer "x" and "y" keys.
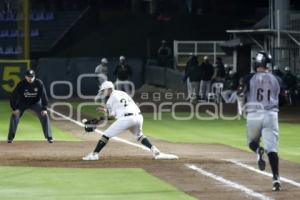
{"x": 155, "y": 151}
{"x": 10, "y": 141}
{"x": 276, "y": 185}
{"x": 91, "y": 156}
{"x": 260, "y": 159}
{"x": 164, "y": 156}
{"x": 50, "y": 140}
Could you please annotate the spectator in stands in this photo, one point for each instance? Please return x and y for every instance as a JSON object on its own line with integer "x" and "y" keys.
{"x": 101, "y": 71}
{"x": 227, "y": 70}
{"x": 164, "y": 54}
{"x": 277, "y": 72}
{"x": 190, "y": 76}
{"x": 194, "y": 75}
{"x": 220, "y": 70}
{"x": 206, "y": 77}
{"x": 231, "y": 83}
{"x": 123, "y": 73}
{"x": 290, "y": 81}
{"x": 189, "y": 6}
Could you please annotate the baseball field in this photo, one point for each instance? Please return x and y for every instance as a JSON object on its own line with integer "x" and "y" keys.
{"x": 214, "y": 162}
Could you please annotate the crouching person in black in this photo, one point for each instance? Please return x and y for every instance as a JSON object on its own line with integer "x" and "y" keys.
{"x": 29, "y": 94}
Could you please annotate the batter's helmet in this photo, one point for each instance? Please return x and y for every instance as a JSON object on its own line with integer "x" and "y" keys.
{"x": 107, "y": 85}
{"x": 261, "y": 59}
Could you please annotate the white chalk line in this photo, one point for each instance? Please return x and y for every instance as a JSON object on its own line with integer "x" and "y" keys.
{"x": 232, "y": 184}
{"x": 229, "y": 183}
{"x": 98, "y": 131}
{"x": 283, "y": 179}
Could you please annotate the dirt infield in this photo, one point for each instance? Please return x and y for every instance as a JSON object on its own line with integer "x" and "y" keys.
{"x": 211, "y": 158}
{"x": 116, "y": 155}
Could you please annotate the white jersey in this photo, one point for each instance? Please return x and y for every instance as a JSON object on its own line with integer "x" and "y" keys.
{"x": 120, "y": 103}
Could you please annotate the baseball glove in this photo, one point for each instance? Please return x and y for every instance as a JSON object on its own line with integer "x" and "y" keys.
{"x": 91, "y": 125}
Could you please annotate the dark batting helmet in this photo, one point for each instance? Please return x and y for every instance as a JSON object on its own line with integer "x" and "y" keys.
{"x": 261, "y": 59}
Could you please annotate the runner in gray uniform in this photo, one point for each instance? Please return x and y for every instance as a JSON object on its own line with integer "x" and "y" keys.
{"x": 262, "y": 90}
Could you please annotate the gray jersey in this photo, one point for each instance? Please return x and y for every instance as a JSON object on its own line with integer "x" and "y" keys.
{"x": 263, "y": 92}
{"x": 102, "y": 72}
{"x": 101, "y": 69}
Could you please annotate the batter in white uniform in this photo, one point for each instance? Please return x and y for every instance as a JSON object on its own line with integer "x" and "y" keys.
{"x": 128, "y": 117}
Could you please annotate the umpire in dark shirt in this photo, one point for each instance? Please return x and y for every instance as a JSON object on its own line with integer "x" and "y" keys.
{"x": 29, "y": 94}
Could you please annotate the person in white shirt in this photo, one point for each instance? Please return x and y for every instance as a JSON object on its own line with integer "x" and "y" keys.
{"x": 101, "y": 71}
{"x": 128, "y": 117}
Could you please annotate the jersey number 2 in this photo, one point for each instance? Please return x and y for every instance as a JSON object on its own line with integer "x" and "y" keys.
{"x": 124, "y": 102}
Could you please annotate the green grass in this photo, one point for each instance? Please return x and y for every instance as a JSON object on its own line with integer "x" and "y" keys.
{"x": 28, "y": 183}
{"x": 232, "y": 133}
{"x": 29, "y": 127}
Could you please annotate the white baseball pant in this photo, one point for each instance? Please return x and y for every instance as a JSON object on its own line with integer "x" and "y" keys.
{"x": 133, "y": 123}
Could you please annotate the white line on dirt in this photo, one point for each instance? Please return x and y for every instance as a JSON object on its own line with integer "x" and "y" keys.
{"x": 229, "y": 183}
{"x": 98, "y": 131}
{"x": 193, "y": 167}
{"x": 283, "y": 179}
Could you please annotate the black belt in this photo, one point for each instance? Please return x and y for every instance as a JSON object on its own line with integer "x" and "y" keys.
{"x": 130, "y": 114}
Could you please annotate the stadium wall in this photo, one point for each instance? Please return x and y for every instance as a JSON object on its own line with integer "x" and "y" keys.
{"x": 164, "y": 77}
{"x": 54, "y": 70}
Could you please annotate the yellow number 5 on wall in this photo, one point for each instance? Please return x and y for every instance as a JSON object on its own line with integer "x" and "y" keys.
{"x": 11, "y": 77}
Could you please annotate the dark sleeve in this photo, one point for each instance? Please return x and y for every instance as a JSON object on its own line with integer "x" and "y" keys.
{"x": 159, "y": 50}
{"x": 235, "y": 80}
{"x": 222, "y": 71}
{"x": 282, "y": 95}
{"x": 15, "y": 97}
{"x": 244, "y": 83}
{"x": 44, "y": 97}
{"x": 282, "y": 84}
{"x": 129, "y": 70}
{"x": 186, "y": 72}
{"x": 211, "y": 71}
{"x": 116, "y": 70}
{"x": 187, "y": 69}
{"x": 294, "y": 80}
{"x": 169, "y": 51}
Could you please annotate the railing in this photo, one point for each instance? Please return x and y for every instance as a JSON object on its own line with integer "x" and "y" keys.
{"x": 212, "y": 49}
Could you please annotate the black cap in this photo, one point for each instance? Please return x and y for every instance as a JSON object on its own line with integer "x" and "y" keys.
{"x": 30, "y": 73}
